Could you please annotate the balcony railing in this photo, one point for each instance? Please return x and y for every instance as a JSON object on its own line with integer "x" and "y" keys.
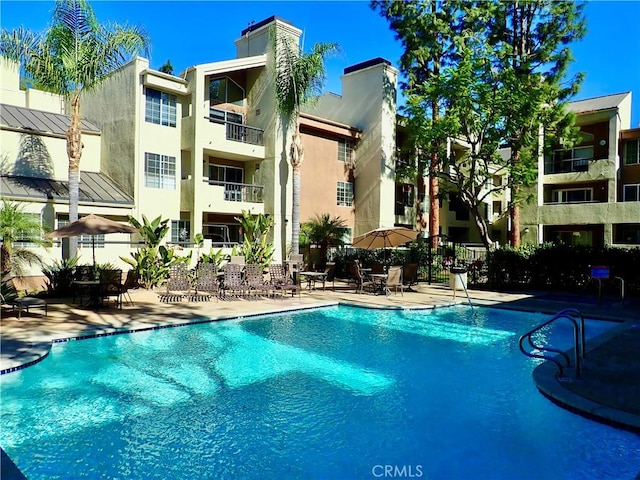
{"x": 566, "y": 166}
{"x": 240, "y": 192}
{"x": 238, "y": 132}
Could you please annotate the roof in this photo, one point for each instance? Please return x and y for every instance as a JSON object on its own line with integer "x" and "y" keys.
{"x": 367, "y": 64}
{"x": 39, "y": 121}
{"x": 95, "y": 188}
{"x": 607, "y": 102}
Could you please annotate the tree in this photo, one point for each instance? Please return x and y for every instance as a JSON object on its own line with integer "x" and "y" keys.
{"x": 75, "y": 54}
{"x": 17, "y": 225}
{"x": 167, "y": 68}
{"x": 425, "y": 30}
{"x": 325, "y": 231}
{"x": 299, "y": 78}
{"x": 531, "y": 41}
{"x": 485, "y": 98}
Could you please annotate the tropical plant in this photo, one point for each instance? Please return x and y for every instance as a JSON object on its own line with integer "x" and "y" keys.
{"x": 73, "y": 55}
{"x": 152, "y": 232}
{"x": 214, "y": 256}
{"x": 299, "y": 78}
{"x": 255, "y": 248}
{"x": 153, "y": 261}
{"x": 15, "y": 224}
{"x": 59, "y": 276}
{"x": 325, "y": 231}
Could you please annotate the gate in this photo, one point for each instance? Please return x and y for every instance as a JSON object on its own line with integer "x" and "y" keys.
{"x": 447, "y": 254}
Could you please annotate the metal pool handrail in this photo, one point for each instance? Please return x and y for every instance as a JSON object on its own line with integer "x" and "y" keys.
{"x": 578, "y": 341}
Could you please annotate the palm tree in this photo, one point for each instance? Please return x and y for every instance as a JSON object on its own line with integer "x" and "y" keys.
{"x": 299, "y": 79}
{"x": 16, "y": 225}
{"x": 325, "y": 231}
{"x": 75, "y": 54}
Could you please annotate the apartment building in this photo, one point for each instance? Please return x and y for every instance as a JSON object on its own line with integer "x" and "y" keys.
{"x": 589, "y": 194}
{"x": 201, "y": 147}
{"x": 34, "y": 168}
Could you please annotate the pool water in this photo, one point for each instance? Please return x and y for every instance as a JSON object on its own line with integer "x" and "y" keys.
{"x": 341, "y": 393}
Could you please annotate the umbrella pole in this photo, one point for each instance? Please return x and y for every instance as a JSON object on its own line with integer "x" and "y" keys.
{"x": 93, "y": 249}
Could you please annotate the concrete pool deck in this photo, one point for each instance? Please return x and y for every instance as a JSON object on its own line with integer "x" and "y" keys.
{"x": 608, "y": 390}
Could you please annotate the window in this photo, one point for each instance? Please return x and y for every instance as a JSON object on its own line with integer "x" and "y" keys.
{"x": 83, "y": 240}
{"x": 225, "y": 90}
{"x": 497, "y": 180}
{"x": 160, "y": 171}
{"x": 627, "y": 233}
{"x": 222, "y": 116}
{"x": 180, "y": 231}
{"x": 160, "y": 108}
{"x": 631, "y": 193}
{"x": 497, "y": 207}
{"x": 573, "y": 195}
{"x": 632, "y": 152}
{"x": 345, "y": 151}
{"x": 345, "y": 194}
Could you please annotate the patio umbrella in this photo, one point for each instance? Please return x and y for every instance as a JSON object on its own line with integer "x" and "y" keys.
{"x": 384, "y": 237}
{"x": 91, "y": 225}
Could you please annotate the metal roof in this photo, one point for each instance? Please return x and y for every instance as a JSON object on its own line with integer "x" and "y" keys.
{"x": 608, "y": 102}
{"x": 95, "y": 188}
{"x": 40, "y": 121}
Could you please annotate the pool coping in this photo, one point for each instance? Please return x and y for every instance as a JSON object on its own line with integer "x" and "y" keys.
{"x": 550, "y": 385}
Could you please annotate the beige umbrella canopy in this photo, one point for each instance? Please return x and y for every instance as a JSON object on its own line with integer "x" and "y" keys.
{"x": 384, "y": 237}
{"x": 91, "y": 225}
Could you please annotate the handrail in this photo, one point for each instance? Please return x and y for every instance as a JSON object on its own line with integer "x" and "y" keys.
{"x": 578, "y": 341}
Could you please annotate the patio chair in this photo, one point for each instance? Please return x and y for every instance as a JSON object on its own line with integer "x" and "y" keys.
{"x": 207, "y": 283}
{"x": 394, "y": 280}
{"x": 178, "y": 284}
{"x": 110, "y": 286}
{"x": 254, "y": 279}
{"x": 363, "y": 281}
{"x": 131, "y": 281}
{"x": 233, "y": 280}
{"x": 281, "y": 281}
{"x": 330, "y": 275}
{"x": 410, "y": 275}
{"x": 82, "y": 273}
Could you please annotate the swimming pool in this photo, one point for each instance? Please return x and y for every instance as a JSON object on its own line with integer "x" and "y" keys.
{"x": 341, "y": 392}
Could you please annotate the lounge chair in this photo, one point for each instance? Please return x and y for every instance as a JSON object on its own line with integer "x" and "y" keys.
{"x": 233, "y": 281}
{"x": 178, "y": 284}
{"x": 254, "y": 279}
{"x": 281, "y": 281}
{"x": 207, "y": 283}
{"x": 24, "y": 302}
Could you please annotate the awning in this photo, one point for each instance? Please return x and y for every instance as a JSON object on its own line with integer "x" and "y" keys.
{"x": 95, "y": 189}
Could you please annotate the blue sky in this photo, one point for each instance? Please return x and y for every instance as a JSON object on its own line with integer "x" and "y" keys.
{"x": 204, "y": 31}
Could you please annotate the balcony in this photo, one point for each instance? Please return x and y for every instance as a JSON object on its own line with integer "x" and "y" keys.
{"x": 237, "y": 132}
{"x": 232, "y": 198}
{"x": 567, "y": 166}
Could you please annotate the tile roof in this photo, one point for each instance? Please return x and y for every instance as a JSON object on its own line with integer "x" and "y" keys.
{"x": 95, "y": 188}
{"x": 39, "y": 121}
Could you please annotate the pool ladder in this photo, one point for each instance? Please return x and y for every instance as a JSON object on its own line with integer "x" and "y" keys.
{"x": 561, "y": 360}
